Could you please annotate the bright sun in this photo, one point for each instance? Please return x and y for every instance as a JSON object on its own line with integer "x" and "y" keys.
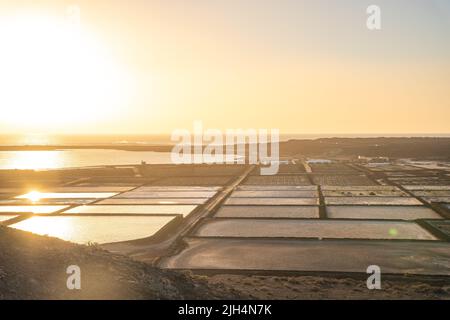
{"x": 55, "y": 74}
{"x": 33, "y": 196}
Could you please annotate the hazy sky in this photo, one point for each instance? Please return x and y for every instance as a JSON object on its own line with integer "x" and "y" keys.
{"x": 149, "y": 66}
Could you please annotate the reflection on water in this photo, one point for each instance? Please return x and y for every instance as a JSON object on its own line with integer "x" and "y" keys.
{"x": 77, "y": 158}
{"x": 80, "y": 158}
{"x": 95, "y": 228}
{"x": 65, "y": 195}
{"x": 46, "y": 226}
{"x": 30, "y": 159}
{"x": 6, "y": 218}
{"x": 31, "y": 209}
{"x": 154, "y": 201}
{"x": 324, "y": 229}
{"x": 33, "y": 196}
{"x": 19, "y": 202}
{"x": 131, "y": 209}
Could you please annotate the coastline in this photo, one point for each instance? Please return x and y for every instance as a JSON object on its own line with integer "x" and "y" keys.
{"x": 424, "y": 147}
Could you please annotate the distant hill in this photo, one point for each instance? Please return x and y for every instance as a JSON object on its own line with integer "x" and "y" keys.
{"x": 372, "y": 147}
{"x": 423, "y": 148}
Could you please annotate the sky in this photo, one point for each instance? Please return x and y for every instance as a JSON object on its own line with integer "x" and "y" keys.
{"x": 153, "y": 66}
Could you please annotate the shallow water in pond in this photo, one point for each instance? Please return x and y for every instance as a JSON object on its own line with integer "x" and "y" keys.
{"x": 31, "y": 209}
{"x": 4, "y": 218}
{"x": 268, "y": 212}
{"x": 130, "y": 209}
{"x": 94, "y": 229}
{"x": 313, "y": 229}
{"x": 165, "y": 201}
{"x": 381, "y": 212}
{"x": 165, "y": 194}
{"x": 66, "y": 195}
{"x": 274, "y": 194}
{"x": 272, "y": 201}
{"x": 372, "y": 201}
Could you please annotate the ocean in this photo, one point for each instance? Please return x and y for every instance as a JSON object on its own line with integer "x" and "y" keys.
{"x": 67, "y": 158}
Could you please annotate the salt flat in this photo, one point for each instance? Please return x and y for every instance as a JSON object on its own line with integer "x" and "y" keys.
{"x": 393, "y": 257}
{"x": 437, "y": 199}
{"x": 95, "y": 229}
{"x": 381, "y": 212}
{"x": 177, "y": 188}
{"x": 166, "y": 194}
{"x": 275, "y": 188}
{"x": 268, "y": 212}
{"x": 295, "y": 228}
{"x": 364, "y": 193}
{"x": 362, "y": 188}
{"x": 5, "y": 218}
{"x": 425, "y": 187}
{"x": 87, "y": 189}
{"x": 25, "y": 202}
{"x": 274, "y": 194}
{"x": 131, "y": 209}
{"x": 31, "y": 209}
{"x": 156, "y": 201}
{"x": 272, "y": 201}
{"x": 405, "y": 201}
{"x": 71, "y": 195}
{"x": 431, "y": 193}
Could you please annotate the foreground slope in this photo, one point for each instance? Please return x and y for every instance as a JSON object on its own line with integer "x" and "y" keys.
{"x": 34, "y": 267}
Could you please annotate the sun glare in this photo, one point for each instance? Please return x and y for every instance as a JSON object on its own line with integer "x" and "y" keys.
{"x": 34, "y": 159}
{"x": 33, "y": 196}
{"x": 55, "y": 74}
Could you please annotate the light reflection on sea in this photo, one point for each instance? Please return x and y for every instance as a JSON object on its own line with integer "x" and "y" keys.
{"x": 79, "y": 158}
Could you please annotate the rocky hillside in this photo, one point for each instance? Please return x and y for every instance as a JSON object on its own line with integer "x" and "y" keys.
{"x": 34, "y": 267}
